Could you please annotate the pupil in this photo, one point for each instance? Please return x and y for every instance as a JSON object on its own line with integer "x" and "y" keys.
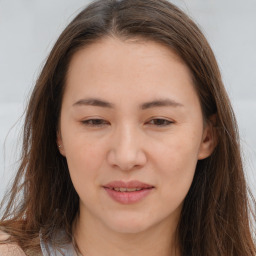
{"x": 160, "y": 121}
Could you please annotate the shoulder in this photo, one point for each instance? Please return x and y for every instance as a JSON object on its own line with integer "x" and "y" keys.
{"x": 9, "y": 249}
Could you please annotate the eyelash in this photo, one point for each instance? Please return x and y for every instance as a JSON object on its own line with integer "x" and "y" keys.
{"x": 101, "y": 122}
{"x": 163, "y": 122}
{"x": 97, "y": 122}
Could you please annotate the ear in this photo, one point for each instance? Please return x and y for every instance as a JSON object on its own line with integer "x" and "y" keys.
{"x": 60, "y": 144}
{"x": 209, "y": 139}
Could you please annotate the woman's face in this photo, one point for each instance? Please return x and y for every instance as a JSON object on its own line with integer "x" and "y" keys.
{"x": 132, "y": 131}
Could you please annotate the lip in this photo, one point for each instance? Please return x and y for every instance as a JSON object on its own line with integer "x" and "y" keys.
{"x": 129, "y": 184}
{"x": 128, "y": 197}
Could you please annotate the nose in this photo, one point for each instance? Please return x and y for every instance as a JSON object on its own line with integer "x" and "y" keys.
{"x": 126, "y": 149}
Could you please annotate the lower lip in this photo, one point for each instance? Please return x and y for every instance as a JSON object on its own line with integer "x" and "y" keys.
{"x": 128, "y": 197}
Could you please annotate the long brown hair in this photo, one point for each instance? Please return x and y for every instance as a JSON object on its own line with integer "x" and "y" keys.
{"x": 215, "y": 218}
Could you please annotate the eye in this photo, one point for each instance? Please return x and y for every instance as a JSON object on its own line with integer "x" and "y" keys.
{"x": 96, "y": 122}
{"x": 160, "y": 122}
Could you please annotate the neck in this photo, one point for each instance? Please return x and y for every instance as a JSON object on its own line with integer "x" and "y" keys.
{"x": 95, "y": 239}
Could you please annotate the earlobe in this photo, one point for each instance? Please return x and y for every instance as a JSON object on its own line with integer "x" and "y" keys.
{"x": 60, "y": 144}
{"x": 209, "y": 139}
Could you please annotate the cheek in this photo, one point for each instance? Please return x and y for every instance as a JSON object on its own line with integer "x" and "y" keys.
{"x": 177, "y": 151}
{"x": 176, "y": 162}
{"x": 81, "y": 151}
{"x": 84, "y": 162}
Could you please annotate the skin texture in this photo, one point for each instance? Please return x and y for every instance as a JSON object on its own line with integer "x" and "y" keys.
{"x": 9, "y": 249}
{"x": 157, "y": 145}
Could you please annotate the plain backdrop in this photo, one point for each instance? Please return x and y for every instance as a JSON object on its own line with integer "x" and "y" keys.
{"x": 29, "y": 28}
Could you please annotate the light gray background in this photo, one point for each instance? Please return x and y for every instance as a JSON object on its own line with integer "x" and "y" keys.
{"x": 29, "y": 28}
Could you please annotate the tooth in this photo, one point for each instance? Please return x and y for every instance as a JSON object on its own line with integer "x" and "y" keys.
{"x": 127, "y": 189}
{"x": 131, "y": 189}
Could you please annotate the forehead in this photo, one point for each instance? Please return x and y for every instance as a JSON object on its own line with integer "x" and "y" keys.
{"x": 112, "y": 68}
{"x": 109, "y": 50}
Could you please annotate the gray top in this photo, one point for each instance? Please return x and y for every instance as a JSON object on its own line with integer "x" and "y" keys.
{"x": 65, "y": 250}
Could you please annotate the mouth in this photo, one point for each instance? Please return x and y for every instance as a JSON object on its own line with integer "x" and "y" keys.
{"x": 129, "y": 186}
{"x": 127, "y": 189}
{"x": 128, "y": 192}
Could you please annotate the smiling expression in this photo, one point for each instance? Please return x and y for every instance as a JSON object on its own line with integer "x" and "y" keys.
{"x": 131, "y": 120}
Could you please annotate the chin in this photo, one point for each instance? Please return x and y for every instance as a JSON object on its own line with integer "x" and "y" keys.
{"x": 129, "y": 228}
{"x": 129, "y": 225}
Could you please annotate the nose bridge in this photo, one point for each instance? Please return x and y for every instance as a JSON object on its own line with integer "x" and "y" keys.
{"x": 126, "y": 147}
{"x": 127, "y": 140}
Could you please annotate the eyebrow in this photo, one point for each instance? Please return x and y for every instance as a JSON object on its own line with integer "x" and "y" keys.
{"x": 94, "y": 102}
{"x": 151, "y": 104}
{"x": 161, "y": 103}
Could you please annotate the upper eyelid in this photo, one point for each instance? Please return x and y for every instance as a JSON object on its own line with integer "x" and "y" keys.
{"x": 93, "y": 118}
{"x": 161, "y": 118}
